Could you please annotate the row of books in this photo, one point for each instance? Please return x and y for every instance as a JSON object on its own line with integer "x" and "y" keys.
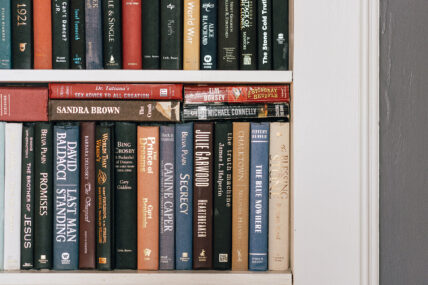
{"x": 136, "y": 34}
{"x": 119, "y": 195}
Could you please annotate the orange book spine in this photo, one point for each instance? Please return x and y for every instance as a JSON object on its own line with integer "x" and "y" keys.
{"x": 191, "y": 42}
{"x": 42, "y": 17}
{"x": 148, "y": 197}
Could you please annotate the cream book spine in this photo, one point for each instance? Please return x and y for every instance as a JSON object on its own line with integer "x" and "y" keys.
{"x": 2, "y": 127}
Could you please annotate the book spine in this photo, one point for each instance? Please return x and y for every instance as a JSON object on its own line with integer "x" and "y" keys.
{"x": 183, "y": 196}
{"x": 5, "y": 35}
{"x": 280, "y": 38}
{"x": 94, "y": 34}
{"x": 203, "y": 195}
{"x": 244, "y": 111}
{"x": 104, "y": 110}
{"x": 191, "y": 37}
{"x": 87, "y": 196}
{"x": 61, "y": 34}
{"x": 42, "y": 34}
{"x": 66, "y": 197}
{"x": 279, "y": 196}
{"x": 264, "y": 34}
{"x": 240, "y": 199}
{"x": 166, "y": 194}
{"x": 148, "y": 197}
{"x": 228, "y": 35}
{"x": 112, "y": 34}
{"x": 12, "y": 194}
{"x": 43, "y": 218}
{"x": 2, "y": 170}
{"x": 150, "y": 44}
{"x": 104, "y": 198}
{"x": 125, "y": 216}
{"x": 171, "y": 28}
{"x": 77, "y": 34}
{"x": 131, "y": 32}
{"x": 209, "y": 34}
{"x": 222, "y": 228}
{"x": 259, "y": 191}
{"x": 22, "y": 37}
{"x": 27, "y": 197}
{"x": 248, "y": 35}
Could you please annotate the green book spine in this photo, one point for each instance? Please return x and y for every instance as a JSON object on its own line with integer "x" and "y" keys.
{"x": 22, "y": 28}
{"x": 60, "y": 34}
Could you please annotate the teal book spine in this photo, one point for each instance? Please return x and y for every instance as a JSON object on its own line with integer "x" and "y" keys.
{"x": 2, "y": 125}
{"x": 5, "y": 35}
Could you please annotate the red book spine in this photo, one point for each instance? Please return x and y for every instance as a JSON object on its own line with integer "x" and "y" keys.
{"x": 116, "y": 91}
{"x": 23, "y": 104}
{"x": 42, "y": 34}
{"x": 131, "y": 34}
{"x": 237, "y": 94}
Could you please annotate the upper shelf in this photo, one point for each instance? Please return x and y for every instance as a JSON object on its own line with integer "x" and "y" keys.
{"x": 141, "y": 76}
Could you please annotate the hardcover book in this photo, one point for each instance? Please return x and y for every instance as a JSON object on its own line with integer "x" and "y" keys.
{"x": 23, "y": 104}
{"x": 209, "y": 34}
{"x": 264, "y": 34}
{"x": 248, "y": 35}
{"x": 42, "y": 25}
{"x": 77, "y": 34}
{"x": 61, "y": 34}
{"x": 191, "y": 30}
{"x": 171, "y": 28}
{"x": 22, "y": 34}
{"x": 112, "y": 24}
{"x": 5, "y": 35}
{"x": 131, "y": 34}
{"x": 93, "y": 34}
{"x": 280, "y": 38}
{"x": 151, "y": 33}
{"x": 2, "y": 150}
{"x": 228, "y": 34}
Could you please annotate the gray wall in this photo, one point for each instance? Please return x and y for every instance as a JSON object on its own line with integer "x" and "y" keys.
{"x": 404, "y": 142}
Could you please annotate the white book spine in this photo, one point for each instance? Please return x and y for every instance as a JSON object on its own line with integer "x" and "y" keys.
{"x": 12, "y": 216}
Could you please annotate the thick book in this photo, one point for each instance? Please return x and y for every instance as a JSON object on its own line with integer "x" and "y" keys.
{"x": 222, "y": 225}
{"x": 166, "y": 197}
{"x": 264, "y": 34}
{"x": 131, "y": 34}
{"x": 12, "y": 196}
{"x": 66, "y": 196}
{"x": 77, "y": 34}
{"x": 148, "y": 197}
{"x": 5, "y": 35}
{"x": 150, "y": 28}
{"x": 61, "y": 34}
{"x": 259, "y": 196}
{"x": 279, "y": 196}
{"x": 87, "y": 196}
{"x": 198, "y": 94}
{"x": 280, "y": 37}
{"x": 42, "y": 34}
{"x": 2, "y": 150}
{"x": 22, "y": 34}
{"x": 23, "y": 104}
{"x": 27, "y": 196}
{"x": 240, "y": 198}
{"x": 228, "y": 35}
{"x": 117, "y": 110}
{"x": 183, "y": 196}
{"x": 208, "y": 34}
{"x": 191, "y": 34}
{"x": 115, "y": 91}
{"x": 93, "y": 34}
{"x": 171, "y": 30}
{"x": 248, "y": 35}
{"x": 125, "y": 195}
{"x": 202, "y": 194}
{"x": 104, "y": 173}
{"x": 241, "y": 111}
{"x": 43, "y": 195}
{"x": 112, "y": 24}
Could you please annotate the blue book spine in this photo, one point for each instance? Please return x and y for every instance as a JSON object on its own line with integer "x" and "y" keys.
{"x": 2, "y": 126}
{"x": 183, "y": 196}
{"x": 208, "y": 34}
{"x": 66, "y": 197}
{"x": 94, "y": 34}
{"x": 5, "y": 35}
{"x": 259, "y": 191}
{"x": 166, "y": 193}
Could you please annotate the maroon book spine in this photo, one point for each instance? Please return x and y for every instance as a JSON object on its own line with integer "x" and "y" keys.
{"x": 87, "y": 196}
{"x": 23, "y": 104}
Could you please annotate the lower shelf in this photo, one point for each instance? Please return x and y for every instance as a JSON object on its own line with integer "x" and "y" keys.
{"x": 144, "y": 277}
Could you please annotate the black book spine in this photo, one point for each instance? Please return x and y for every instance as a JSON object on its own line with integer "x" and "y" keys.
{"x": 209, "y": 34}
{"x": 27, "y": 197}
{"x": 125, "y": 162}
{"x": 112, "y": 34}
{"x": 22, "y": 28}
{"x": 248, "y": 35}
{"x": 228, "y": 35}
{"x": 151, "y": 34}
{"x": 60, "y": 34}
{"x": 222, "y": 227}
{"x": 280, "y": 37}
{"x": 43, "y": 198}
{"x": 264, "y": 34}
{"x": 77, "y": 37}
{"x": 171, "y": 34}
